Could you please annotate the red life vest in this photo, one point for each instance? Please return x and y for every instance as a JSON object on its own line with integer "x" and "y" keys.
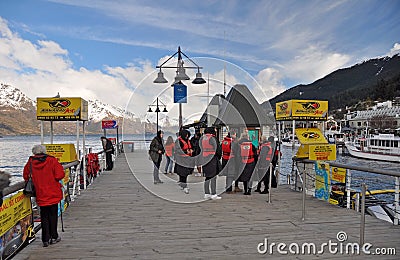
{"x": 226, "y": 148}
{"x": 246, "y": 152}
{"x": 168, "y": 149}
{"x": 206, "y": 147}
{"x": 268, "y": 156}
{"x": 187, "y": 147}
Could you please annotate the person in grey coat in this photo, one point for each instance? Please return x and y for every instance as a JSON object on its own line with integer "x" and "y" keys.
{"x": 156, "y": 151}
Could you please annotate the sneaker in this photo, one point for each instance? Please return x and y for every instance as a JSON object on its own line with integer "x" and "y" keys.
{"x": 45, "y": 244}
{"x": 55, "y": 241}
{"x": 207, "y": 196}
{"x": 215, "y": 197}
{"x": 197, "y": 174}
{"x": 186, "y": 190}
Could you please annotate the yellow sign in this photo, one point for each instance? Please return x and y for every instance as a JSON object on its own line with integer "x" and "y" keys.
{"x": 322, "y": 152}
{"x": 63, "y": 152}
{"x": 338, "y": 174}
{"x": 310, "y": 136}
{"x": 302, "y": 110}
{"x": 62, "y": 109}
{"x": 14, "y": 208}
{"x": 303, "y": 151}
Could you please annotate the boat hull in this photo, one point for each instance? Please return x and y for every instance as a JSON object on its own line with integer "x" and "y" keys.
{"x": 354, "y": 151}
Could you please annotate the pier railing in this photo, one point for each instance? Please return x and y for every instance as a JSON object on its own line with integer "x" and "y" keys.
{"x": 304, "y": 172}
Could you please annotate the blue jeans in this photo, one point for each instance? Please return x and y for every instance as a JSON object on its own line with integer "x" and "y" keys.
{"x": 169, "y": 164}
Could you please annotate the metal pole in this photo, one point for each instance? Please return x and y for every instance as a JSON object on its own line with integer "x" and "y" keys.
{"x": 180, "y": 116}
{"x": 293, "y": 133}
{"x": 77, "y": 138}
{"x": 362, "y": 225}
{"x": 279, "y": 154}
{"x": 157, "y": 114}
{"x": 41, "y": 132}
{"x": 396, "y": 201}
{"x": 51, "y": 132}
{"x": 270, "y": 182}
{"x": 303, "y": 215}
{"x": 348, "y": 186}
{"x": 84, "y": 155}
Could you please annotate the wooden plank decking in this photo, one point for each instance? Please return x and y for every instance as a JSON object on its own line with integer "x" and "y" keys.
{"x": 118, "y": 217}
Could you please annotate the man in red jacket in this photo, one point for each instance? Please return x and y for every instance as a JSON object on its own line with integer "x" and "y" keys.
{"x": 46, "y": 174}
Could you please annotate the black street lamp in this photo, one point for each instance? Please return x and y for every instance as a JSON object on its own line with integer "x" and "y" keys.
{"x": 180, "y": 75}
{"x": 157, "y": 108}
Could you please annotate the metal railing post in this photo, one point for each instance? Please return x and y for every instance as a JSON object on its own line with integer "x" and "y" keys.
{"x": 362, "y": 224}
{"x": 396, "y": 201}
{"x": 348, "y": 185}
{"x": 270, "y": 183}
{"x": 303, "y": 215}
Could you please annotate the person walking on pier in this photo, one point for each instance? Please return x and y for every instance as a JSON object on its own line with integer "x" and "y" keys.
{"x": 194, "y": 141}
{"x": 184, "y": 162}
{"x": 267, "y": 150}
{"x": 46, "y": 174}
{"x": 248, "y": 154}
{"x": 210, "y": 155}
{"x": 156, "y": 151}
{"x": 229, "y": 162}
{"x": 108, "y": 148}
{"x": 169, "y": 154}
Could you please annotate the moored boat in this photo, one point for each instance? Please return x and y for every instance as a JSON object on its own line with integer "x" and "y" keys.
{"x": 382, "y": 147}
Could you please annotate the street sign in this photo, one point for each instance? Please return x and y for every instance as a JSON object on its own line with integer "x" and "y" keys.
{"x": 109, "y": 124}
{"x": 180, "y": 93}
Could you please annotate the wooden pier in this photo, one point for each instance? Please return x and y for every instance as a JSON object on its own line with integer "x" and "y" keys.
{"x": 119, "y": 217}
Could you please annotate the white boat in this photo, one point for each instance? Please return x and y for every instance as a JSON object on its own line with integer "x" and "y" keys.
{"x": 382, "y": 147}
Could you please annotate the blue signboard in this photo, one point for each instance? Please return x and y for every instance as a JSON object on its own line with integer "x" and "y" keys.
{"x": 180, "y": 93}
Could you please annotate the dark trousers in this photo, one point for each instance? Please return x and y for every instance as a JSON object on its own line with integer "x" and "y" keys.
{"x": 210, "y": 181}
{"x": 49, "y": 219}
{"x": 109, "y": 161}
{"x": 156, "y": 168}
{"x": 183, "y": 181}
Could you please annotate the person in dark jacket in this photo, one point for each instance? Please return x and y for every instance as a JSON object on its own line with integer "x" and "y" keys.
{"x": 194, "y": 141}
{"x": 267, "y": 150}
{"x": 156, "y": 151}
{"x": 108, "y": 148}
{"x": 184, "y": 162}
{"x": 248, "y": 154}
{"x": 230, "y": 159}
{"x": 210, "y": 157}
{"x": 46, "y": 174}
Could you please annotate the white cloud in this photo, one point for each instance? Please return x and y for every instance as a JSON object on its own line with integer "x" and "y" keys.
{"x": 270, "y": 81}
{"x": 394, "y": 50}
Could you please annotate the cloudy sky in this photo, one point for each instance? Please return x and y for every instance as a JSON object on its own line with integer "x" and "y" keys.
{"x": 108, "y": 50}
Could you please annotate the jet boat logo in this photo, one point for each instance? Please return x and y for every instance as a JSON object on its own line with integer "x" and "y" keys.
{"x": 60, "y": 103}
{"x": 310, "y": 105}
{"x": 283, "y": 106}
{"x": 310, "y": 135}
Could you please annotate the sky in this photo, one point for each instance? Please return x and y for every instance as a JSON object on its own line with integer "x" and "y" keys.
{"x": 109, "y": 50}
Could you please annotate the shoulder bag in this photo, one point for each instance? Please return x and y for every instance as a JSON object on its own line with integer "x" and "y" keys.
{"x": 29, "y": 189}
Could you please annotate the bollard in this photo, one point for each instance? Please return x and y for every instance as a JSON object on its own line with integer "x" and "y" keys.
{"x": 362, "y": 224}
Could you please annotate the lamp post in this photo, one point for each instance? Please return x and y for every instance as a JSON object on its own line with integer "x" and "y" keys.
{"x": 180, "y": 75}
{"x": 157, "y": 108}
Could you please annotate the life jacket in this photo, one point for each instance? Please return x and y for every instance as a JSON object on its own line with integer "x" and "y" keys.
{"x": 268, "y": 156}
{"x": 227, "y": 148}
{"x": 246, "y": 152}
{"x": 168, "y": 149}
{"x": 187, "y": 147}
{"x": 206, "y": 148}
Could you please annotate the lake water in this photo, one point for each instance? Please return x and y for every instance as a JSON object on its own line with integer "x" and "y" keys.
{"x": 15, "y": 151}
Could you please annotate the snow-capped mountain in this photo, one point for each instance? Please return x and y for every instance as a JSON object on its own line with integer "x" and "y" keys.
{"x": 18, "y": 114}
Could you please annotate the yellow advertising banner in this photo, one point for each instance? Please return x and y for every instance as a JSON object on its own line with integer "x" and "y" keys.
{"x": 62, "y": 109}
{"x": 14, "y": 209}
{"x": 310, "y": 136}
{"x": 338, "y": 174}
{"x": 63, "y": 152}
{"x": 302, "y": 110}
{"x": 303, "y": 152}
{"x": 322, "y": 152}
{"x": 322, "y": 181}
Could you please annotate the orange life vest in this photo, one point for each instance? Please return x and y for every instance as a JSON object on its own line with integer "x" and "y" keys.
{"x": 206, "y": 148}
{"x": 268, "y": 156}
{"x": 246, "y": 152}
{"x": 187, "y": 147}
{"x": 168, "y": 149}
{"x": 227, "y": 148}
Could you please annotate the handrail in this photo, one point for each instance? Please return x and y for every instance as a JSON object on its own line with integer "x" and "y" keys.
{"x": 20, "y": 185}
{"x": 353, "y": 167}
